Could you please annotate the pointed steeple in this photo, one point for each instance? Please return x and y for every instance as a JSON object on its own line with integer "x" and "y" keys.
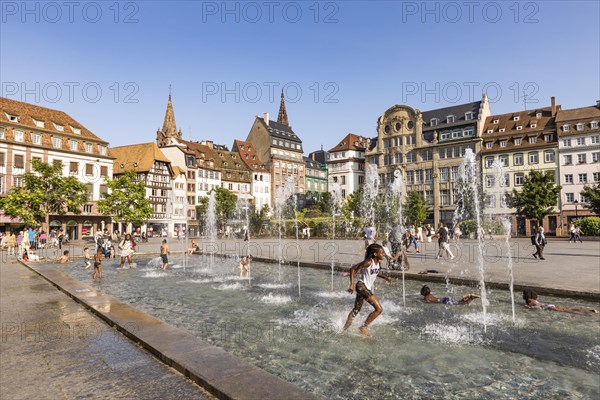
{"x": 282, "y": 118}
{"x": 169, "y": 128}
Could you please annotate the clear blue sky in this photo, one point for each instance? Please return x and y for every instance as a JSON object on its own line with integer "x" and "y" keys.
{"x": 351, "y": 60}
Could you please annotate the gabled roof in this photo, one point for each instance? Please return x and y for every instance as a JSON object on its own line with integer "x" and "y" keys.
{"x": 248, "y": 156}
{"x": 280, "y": 131}
{"x": 310, "y": 163}
{"x": 457, "y": 111}
{"x": 583, "y": 113}
{"x": 351, "y": 142}
{"x": 27, "y": 113}
{"x": 139, "y": 157}
{"x": 232, "y": 167}
{"x": 525, "y": 119}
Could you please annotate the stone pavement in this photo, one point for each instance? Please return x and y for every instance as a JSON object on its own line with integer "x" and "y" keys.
{"x": 52, "y": 348}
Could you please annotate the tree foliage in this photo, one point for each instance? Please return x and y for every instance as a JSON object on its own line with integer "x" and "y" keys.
{"x": 126, "y": 201}
{"x": 538, "y": 196}
{"x": 353, "y": 206}
{"x": 257, "y": 218}
{"x": 225, "y": 205}
{"x": 325, "y": 203}
{"x": 415, "y": 208}
{"x": 45, "y": 192}
{"x": 592, "y": 194}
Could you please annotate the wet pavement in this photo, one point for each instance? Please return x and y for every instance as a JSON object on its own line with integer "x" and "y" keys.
{"x": 52, "y": 348}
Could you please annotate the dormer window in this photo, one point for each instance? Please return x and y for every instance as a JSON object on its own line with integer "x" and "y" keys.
{"x": 496, "y": 121}
{"x": 594, "y": 124}
{"x": 60, "y": 128}
{"x": 580, "y": 126}
{"x": 469, "y": 115}
{"x": 12, "y": 118}
{"x": 489, "y": 145}
{"x": 519, "y": 127}
{"x": 501, "y": 130}
{"x": 566, "y": 128}
{"x": 516, "y": 118}
{"x": 532, "y": 125}
{"x": 39, "y": 124}
{"x": 490, "y": 131}
{"x": 450, "y": 119}
{"x": 434, "y": 121}
{"x": 76, "y": 131}
{"x": 548, "y": 138}
{"x": 532, "y": 140}
{"x": 503, "y": 143}
{"x": 517, "y": 141}
{"x": 538, "y": 114}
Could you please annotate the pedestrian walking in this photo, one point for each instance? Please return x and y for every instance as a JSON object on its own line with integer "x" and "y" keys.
{"x": 444, "y": 246}
{"x": 540, "y": 243}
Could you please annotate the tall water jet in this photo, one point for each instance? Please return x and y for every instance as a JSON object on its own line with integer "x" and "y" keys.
{"x": 186, "y": 233}
{"x": 500, "y": 189}
{"x": 370, "y": 193}
{"x": 395, "y": 207}
{"x": 469, "y": 183}
{"x": 211, "y": 225}
{"x": 336, "y": 192}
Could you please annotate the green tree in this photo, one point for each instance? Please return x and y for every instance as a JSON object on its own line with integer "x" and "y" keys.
{"x": 415, "y": 208}
{"x": 126, "y": 201}
{"x": 466, "y": 200}
{"x": 257, "y": 218}
{"x": 592, "y": 194}
{"x": 353, "y": 205}
{"x": 538, "y": 197}
{"x": 225, "y": 205}
{"x": 44, "y": 192}
{"x": 326, "y": 203}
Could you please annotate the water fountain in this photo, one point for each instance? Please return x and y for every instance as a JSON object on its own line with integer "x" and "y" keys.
{"x": 336, "y": 193}
{"x": 370, "y": 189}
{"x": 210, "y": 226}
{"x": 286, "y": 195}
{"x": 395, "y": 200}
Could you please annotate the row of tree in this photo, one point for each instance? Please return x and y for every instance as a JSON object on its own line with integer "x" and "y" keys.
{"x": 46, "y": 192}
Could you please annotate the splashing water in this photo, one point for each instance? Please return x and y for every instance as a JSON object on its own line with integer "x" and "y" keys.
{"x": 211, "y": 225}
{"x": 336, "y": 192}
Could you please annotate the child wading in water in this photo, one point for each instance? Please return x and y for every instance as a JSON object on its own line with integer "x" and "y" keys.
{"x": 164, "y": 252}
{"x": 369, "y": 271}
{"x": 98, "y": 264}
{"x": 87, "y": 258}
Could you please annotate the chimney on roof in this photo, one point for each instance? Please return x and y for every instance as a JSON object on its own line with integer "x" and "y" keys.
{"x": 266, "y": 118}
{"x": 553, "y": 103}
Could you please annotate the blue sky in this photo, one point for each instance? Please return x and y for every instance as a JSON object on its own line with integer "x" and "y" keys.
{"x": 342, "y": 64}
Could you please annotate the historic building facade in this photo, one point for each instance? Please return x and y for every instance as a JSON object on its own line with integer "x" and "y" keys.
{"x": 29, "y": 132}
{"x": 427, "y": 149}
{"x": 513, "y": 145}
{"x": 316, "y": 180}
{"x": 280, "y": 149}
{"x": 261, "y": 179}
{"x": 578, "y": 158}
{"x": 346, "y": 163}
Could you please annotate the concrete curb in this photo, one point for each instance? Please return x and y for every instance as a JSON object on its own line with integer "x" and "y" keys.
{"x": 220, "y": 373}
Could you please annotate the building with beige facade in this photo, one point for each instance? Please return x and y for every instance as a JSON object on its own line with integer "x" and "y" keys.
{"x": 346, "y": 163}
{"x": 29, "y": 132}
{"x": 261, "y": 179}
{"x": 427, "y": 149}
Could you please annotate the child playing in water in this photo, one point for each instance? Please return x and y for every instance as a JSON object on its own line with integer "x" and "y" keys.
{"x": 98, "y": 264}
{"x": 369, "y": 270}
{"x": 64, "y": 258}
{"x": 530, "y": 297}
{"x": 429, "y": 298}
{"x": 245, "y": 265}
{"x": 164, "y": 252}
{"x": 87, "y": 258}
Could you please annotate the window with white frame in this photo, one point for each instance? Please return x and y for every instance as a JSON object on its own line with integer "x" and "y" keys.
{"x": 596, "y": 139}
{"x": 419, "y": 176}
{"x": 450, "y": 119}
{"x": 60, "y": 128}
{"x": 410, "y": 177}
{"x": 490, "y": 131}
{"x": 532, "y": 140}
{"x": 583, "y": 178}
{"x": 56, "y": 142}
{"x": 433, "y": 121}
{"x": 519, "y": 179}
{"x": 496, "y": 121}
{"x": 469, "y": 115}
{"x": 516, "y": 118}
{"x": 502, "y": 130}
{"x": 445, "y": 135}
{"x": 76, "y": 131}
{"x": 549, "y": 156}
{"x": 532, "y": 125}
{"x": 596, "y": 176}
{"x": 445, "y": 197}
{"x": 570, "y": 197}
{"x": 454, "y": 173}
{"x": 566, "y": 128}
{"x": 19, "y": 136}
{"x": 517, "y": 141}
{"x": 568, "y": 178}
{"x": 39, "y": 124}
{"x": 18, "y": 181}
{"x": 503, "y": 143}
{"x": 428, "y": 175}
{"x": 490, "y": 181}
{"x": 36, "y": 138}
{"x": 444, "y": 174}
{"x": 456, "y": 133}
{"x": 538, "y": 114}
{"x": 533, "y": 157}
{"x": 581, "y": 158}
{"x": 568, "y": 159}
{"x": 547, "y": 138}
{"x": 596, "y": 157}
{"x": 503, "y": 159}
{"x": 489, "y": 145}
{"x": 489, "y": 161}
{"x": 580, "y": 141}
{"x": 579, "y": 126}
{"x": 73, "y": 145}
{"x": 519, "y": 127}
{"x": 429, "y": 196}
{"x": 468, "y": 132}
{"x": 594, "y": 124}
{"x": 518, "y": 159}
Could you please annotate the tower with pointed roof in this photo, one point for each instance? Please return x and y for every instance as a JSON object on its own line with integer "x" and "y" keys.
{"x": 169, "y": 132}
{"x": 282, "y": 118}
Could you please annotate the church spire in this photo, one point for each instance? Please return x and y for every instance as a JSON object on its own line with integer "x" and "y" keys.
{"x": 282, "y": 118}
{"x": 169, "y": 128}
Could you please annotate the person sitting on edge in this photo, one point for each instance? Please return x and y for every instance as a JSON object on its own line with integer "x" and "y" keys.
{"x": 193, "y": 248}
{"x": 369, "y": 270}
{"x": 429, "y": 298}
{"x": 531, "y": 301}
{"x": 64, "y": 258}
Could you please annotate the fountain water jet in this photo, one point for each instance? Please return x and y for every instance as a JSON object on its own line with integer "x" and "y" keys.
{"x": 336, "y": 192}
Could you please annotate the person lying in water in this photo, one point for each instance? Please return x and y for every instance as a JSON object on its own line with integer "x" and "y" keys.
{"x": 531, "y": 301}
{"x": 429, "y": 298}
